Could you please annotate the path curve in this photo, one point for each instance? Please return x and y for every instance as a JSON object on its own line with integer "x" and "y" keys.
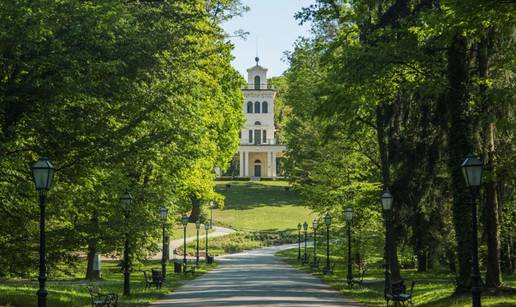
{"x": 217, "y": 232}
{"x": 255, "y": 278}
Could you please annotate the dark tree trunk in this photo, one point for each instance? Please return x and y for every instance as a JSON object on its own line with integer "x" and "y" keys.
{"x": 508, "y": 264}
{"x": 196, "y": 209}
{"x": 422, "y": 261}
{"x": 381, "y": 120}
{"x": 459, "y": 145}
{"x": 450, "y": 257}
{"x": 491, "y": 221}
{"x": 92, "y": 249}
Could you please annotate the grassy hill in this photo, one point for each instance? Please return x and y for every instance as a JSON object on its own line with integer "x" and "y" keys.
{"x": 260, "y": 206}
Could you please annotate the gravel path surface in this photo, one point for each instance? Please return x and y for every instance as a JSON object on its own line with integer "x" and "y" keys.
{"x": 255, "y": 278}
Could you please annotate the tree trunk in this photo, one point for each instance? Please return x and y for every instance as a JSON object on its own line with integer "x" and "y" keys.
{"x": 450, "y": 257}
{"x": 422, "y": 261}
{"x": 92, "y": 249}
{"x": 508, "y": 264}
{"x": 384, "y": 160}
{"x": 493, "y": 275}
{"x": 196, "y": 209}
{"x": 459, "y": 145}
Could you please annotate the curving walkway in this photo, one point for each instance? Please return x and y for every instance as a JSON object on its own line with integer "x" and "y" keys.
{"x": 255, "y": 278}
{"x": 217, "y": 232}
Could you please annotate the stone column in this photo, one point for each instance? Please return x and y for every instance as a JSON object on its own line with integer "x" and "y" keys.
{"x": 246, "y": 163}
{"x": 269, "y": 164}
{"x": 274, "y": 164}
{"x": 241, "y": 163}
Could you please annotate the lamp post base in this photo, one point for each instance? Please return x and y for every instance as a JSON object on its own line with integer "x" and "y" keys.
{"x": 42, "y": 297}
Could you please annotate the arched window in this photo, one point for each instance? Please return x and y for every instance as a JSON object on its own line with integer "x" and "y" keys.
{"x": 257, "y": 123}
{"x": 257, "y": 82}
{"x": 256, "y": 107}
{"x": 257, "y": 161}
{"x": 265, "y": 107}
{"x": 249, "y": 107}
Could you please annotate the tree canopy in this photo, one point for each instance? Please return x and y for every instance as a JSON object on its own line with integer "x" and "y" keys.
{"x": 134, "y": 95}
{"x": 395, "y": 94}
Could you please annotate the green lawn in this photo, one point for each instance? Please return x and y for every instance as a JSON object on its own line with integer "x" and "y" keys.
{"x": 431, "y": 290}
{"x": 261, "y": 205}
{"x": 276, "y": 183}
{"x": 71, "y": 291}
{"x": 191, "y": 231}
{"x": 230, "y": 244}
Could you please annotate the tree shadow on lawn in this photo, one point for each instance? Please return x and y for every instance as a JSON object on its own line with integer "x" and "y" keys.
{"x": 250, "y": 196}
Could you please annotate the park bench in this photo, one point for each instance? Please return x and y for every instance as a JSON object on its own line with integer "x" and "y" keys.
{"x": 190, "y": 268}
{"x": 316, "y": 264}
{"x": 102, "y": 299}
{"x": 359, "y": 281}
{"x": 154, "y": 279}
{"x": 331, "y": 269}
{"x": 396, "y": 293}
{"x": 305, "y": 261}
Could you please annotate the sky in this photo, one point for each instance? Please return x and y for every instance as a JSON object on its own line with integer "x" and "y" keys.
{"x": 272, "y": 23}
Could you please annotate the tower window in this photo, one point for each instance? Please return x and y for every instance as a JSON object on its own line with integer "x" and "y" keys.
{"x": 265, "y": 107}
{"x": 257, "y": 123}
{"x": 257, "y": 107}
{"x": 250, "y": 136}
{"x": 264, "y": 137}
{"x": 257, "y": 82}
{"x": 249, "y": 107}
{"x": 257, "y": 136}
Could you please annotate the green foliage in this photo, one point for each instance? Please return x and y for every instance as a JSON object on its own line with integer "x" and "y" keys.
{"x": 390, "y": 94}
{"x": 230, "y": 244}
{"x": 136, "y": 96}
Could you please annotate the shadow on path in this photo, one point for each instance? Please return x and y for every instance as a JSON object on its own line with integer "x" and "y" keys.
{"x": 255, "y": 278}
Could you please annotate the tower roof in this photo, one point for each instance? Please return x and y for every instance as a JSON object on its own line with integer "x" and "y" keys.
{"x": 257, "y": 67}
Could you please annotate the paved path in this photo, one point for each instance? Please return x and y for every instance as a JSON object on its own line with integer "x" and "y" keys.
{"x": 255, "y": 278}
{"x": 217, "y": 232}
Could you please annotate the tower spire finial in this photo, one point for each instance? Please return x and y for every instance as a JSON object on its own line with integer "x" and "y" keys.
{"x": 257, "y": 59}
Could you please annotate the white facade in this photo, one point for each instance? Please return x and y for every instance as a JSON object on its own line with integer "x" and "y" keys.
{"x": 259, "y": 151}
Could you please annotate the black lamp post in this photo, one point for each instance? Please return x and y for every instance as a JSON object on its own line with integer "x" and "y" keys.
{"x": 349, "y": 218}
{"x": 42, "y": 174}
{"x": 163, "y": 212}
{"x": 299, "y": 242}
{"x": 197, "y": 226}
{"x": 212, "y": 206}
{"x": 206, "y": 228}
{"x": 327, "y": 222}
{"x": 315, "y": 223}
{"x": 184, "y": 221}
{"x": 305, "y": 228}
{"x": 126, "y": 199}
{"x": 472, "y": 170}
{"x": 387, "y": 206}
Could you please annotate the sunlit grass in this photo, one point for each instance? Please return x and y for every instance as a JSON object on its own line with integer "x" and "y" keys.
{"x": 72, "y": 291}
{"x": 264, "y": 205}
{"x": 431, "y": 290}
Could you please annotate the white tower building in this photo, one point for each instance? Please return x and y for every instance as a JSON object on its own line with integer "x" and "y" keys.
{"x": 259, "y": 152}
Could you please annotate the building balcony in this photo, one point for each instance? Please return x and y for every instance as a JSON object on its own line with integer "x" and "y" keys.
{"x": 273, "y": 141}
{"x": 259, "y": 87}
